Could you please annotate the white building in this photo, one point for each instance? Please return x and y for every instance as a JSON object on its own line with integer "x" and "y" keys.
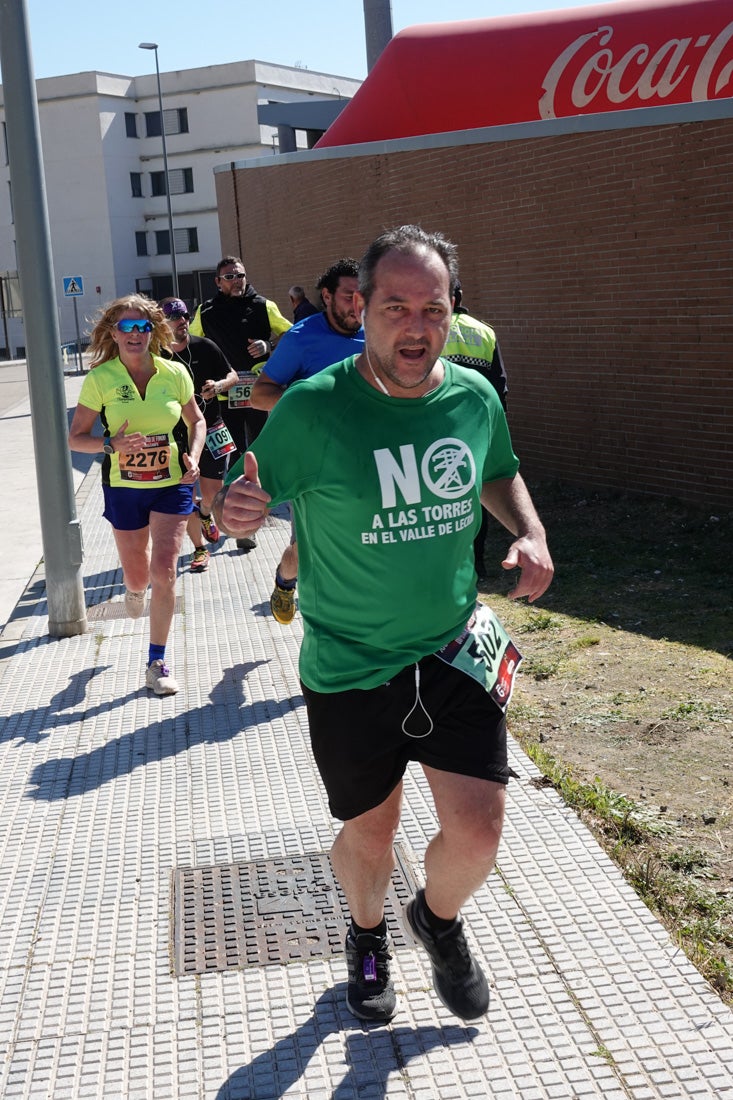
{"x": 105, "y": 183}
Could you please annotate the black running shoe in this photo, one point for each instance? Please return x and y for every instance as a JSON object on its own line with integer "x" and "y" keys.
{"x": 370, "y": 994}
{"x": 458, "y": 979}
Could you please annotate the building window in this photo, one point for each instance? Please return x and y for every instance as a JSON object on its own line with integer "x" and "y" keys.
{"x": 187, "y": 240}
{"x": 157, "y": 183}
{"x": 5, "y": 144}
{"x": 10, "y": 199}
{"x": 136, "y": 184}
{"x": 152, "y": 124}
{"x": 176, "y": 121}
{"x": 130, "y": 124}
{"x": 141, "y": 242}
{"x": 181, "y": 181}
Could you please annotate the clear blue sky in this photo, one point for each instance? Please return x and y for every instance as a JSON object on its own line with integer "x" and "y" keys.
{"x": 325, "y": 35}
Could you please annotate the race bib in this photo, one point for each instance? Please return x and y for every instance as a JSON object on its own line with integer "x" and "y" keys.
{"x": 485, "y": 652}
{"x": 219, "y": 441}
{"x": 153, "y": 463}
{"x": 239, "y": 394}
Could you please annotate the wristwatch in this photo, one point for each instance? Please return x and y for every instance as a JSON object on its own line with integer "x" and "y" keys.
{"x": 108, "y": 448}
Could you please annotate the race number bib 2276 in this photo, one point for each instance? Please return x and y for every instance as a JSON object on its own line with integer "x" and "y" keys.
{"x": 486, "y": 653}
{"x": 153, "y": 463}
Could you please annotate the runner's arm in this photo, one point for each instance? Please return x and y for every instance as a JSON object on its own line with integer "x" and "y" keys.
{"x": 509, "y": 501}
{"x": 265, "y": 393}
{"x": 81, "y": 437}
{"x": 194, "y": 421}
{"x": 212, "y": 387}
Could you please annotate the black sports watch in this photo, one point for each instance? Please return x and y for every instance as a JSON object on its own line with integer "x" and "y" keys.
{"x": 108, "y": 448}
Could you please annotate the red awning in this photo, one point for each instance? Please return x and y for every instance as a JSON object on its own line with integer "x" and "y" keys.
{"x": 442, "y": 77}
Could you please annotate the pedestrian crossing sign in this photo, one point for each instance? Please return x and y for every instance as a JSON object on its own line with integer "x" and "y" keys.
{"x": 73, "y": 286}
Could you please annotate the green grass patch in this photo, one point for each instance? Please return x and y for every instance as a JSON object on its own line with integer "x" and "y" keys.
{"x": 697, "y": 708}
{"x": 697, "y": 916}
{"x": 658, "y": 566}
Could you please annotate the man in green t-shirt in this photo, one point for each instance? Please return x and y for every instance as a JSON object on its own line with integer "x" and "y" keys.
{"x": 398, "y": 664}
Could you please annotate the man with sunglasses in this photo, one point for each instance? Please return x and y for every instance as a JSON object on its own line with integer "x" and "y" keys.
{"x": 212, "y": 376}
{"x": 246, "y": 327}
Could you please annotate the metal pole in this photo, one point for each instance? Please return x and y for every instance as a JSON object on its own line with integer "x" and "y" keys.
{"x": 60, "y": 530}
{"x": 378, "y": 28}
{"x": 174, "y": 269}
{"x": 79, "y": 362}
{"x": 5, "y": 315}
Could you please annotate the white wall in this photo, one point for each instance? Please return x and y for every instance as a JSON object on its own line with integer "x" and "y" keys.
{"x": 76, "y": 189}
{"x": 88, "y": 158}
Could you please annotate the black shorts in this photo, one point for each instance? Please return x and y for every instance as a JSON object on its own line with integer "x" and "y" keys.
{"x": 362, "y": 740}
{"x": 214, "y": 468}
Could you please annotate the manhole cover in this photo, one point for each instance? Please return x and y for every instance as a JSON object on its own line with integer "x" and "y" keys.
{"x": 269, "y": 912}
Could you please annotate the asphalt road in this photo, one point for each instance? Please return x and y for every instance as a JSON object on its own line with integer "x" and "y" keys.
{"x": 21, "y": 540}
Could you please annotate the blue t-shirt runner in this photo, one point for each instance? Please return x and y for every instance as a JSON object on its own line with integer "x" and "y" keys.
{"x": 308, "y": 347}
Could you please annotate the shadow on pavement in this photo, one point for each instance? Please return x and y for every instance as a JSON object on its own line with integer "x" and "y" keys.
{"x": 66, "y": 777}
{"x": 373, "y": 1052}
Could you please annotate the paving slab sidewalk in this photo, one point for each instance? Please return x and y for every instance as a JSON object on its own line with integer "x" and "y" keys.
{"x": 108, "y": 793}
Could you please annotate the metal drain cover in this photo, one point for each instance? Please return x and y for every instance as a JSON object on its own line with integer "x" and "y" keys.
{"x": 269, "y": 912}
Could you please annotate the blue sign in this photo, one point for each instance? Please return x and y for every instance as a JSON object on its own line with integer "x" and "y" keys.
{"x": 73, "y": 286}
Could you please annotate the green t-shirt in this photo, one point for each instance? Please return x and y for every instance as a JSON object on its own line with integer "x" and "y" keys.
{"x": 109, "y": 390}
{"x": 386, "y": 495}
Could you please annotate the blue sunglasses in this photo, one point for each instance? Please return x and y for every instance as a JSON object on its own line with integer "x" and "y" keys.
{"x": 131, "y": 324}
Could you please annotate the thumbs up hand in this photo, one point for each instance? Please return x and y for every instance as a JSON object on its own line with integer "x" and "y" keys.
{"x": 240, "y": 507}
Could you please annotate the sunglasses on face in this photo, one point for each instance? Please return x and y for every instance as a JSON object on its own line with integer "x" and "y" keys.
{"x": 232, "y": 275}
{"x": 177, "y": 314}
{"x": 132, "y": 324}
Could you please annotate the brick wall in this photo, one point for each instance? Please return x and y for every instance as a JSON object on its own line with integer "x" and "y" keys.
{"x": 603, "y": 259}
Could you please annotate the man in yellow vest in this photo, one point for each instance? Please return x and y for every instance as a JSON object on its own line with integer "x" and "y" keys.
{"x": 473, "y": 344}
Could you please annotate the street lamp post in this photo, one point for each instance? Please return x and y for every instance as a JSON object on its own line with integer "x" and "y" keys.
{"x": 154, "y": 46}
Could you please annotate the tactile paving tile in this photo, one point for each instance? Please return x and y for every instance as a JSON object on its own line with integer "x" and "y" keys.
{"x": 107, "y": 790}
{"x": 267, "y": 912}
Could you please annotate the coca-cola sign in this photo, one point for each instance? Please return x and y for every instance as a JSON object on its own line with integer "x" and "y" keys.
{"x": 624, "y": 55}
{"x": 596, "y": 72}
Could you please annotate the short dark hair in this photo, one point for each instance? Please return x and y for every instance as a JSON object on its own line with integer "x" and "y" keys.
{"x": 346, "y": 267}
{"x": 406, "y": 239}
{"x": 226, "y": 261}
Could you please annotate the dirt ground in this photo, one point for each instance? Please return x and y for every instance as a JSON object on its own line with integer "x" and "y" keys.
{"x": 626, "y": 681}
{"x": 652, "y": 720}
